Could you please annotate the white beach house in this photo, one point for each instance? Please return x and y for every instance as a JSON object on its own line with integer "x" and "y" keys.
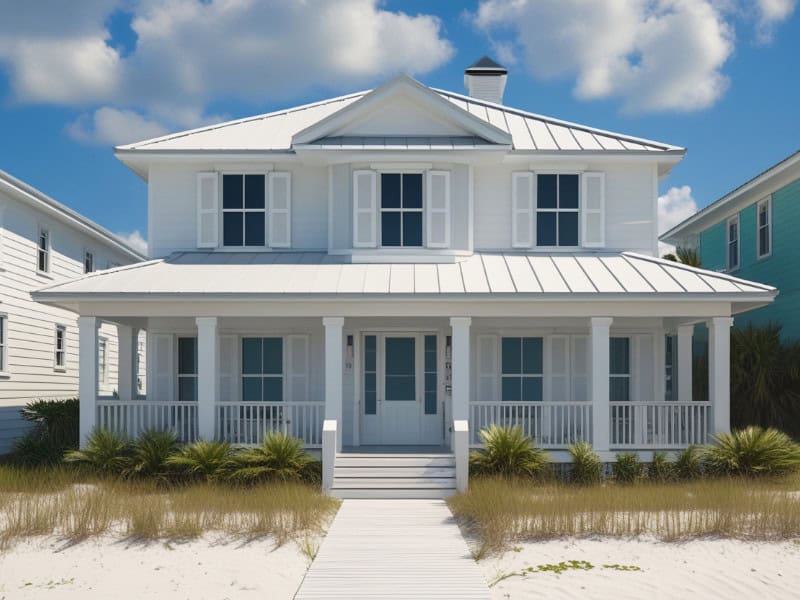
{"x": 390, "y": 271}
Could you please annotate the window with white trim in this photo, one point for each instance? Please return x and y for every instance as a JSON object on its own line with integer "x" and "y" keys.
{"x": 401, "y": 210}
{"x": 102, "y": 359}
{"x": 244, "y": 210}
{"x": 3, "y": 343}
{"x": 88, "y": 261}
{"x": 522, "y": 369}
{"x": 557, "y": 210}
{"x": 733, "y": 243}
{"x": 43, "y": 251}
{"x": 187, "y": 369}
{"x": 619, "y": 369}
{"x": 262, "y": 369}
{"x": 764, "y": 226}
{"x": 60, "y": 356}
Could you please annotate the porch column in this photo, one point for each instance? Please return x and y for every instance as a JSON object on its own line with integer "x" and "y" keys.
{"x": 600, "y": 366}
{"x": 87, "y": 382}
{"x": 333, "y": 373}
{"x": 684, "y": 362}
{"x": 719, "y": 372}
{"x": 127, "y": 346}
{"x": 460, "y": 397}
{"x": 207, "y": 376}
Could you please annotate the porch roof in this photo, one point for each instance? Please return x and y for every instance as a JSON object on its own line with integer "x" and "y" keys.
{"x": 316, "y": 275}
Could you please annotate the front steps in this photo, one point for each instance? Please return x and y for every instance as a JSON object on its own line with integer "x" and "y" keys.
{"x": 395, "y": 475}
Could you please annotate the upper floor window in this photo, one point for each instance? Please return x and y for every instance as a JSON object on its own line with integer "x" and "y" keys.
{"x": 401, "y": 209}
{"x": 187, "y": 369}
{"x": 244, "y": 210}
{"x": 88, "y": 262}
{"x": 43, "y": 251}
{"x": 557, "y": 208}
{"x": 3, "y": 343}
{"x": 764, "y": 224}
{"x": 733, "y": 243}
{"x": 60, "y": 356}
{"x": 522, "y": 369}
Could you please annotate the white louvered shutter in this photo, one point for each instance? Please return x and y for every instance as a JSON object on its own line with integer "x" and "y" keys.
{"x": 488, "y": 368}
{"x": 228, "y": 369}
{"x": 162, "y": 362}
{"x": 438, "y": 209}
{"x": 558, "y": 373}
{"x": 365, "y": 209}
{"x": 593, "y": 211}
{"x": 523, "y": 193}
{"x": 280, "y": 209}
{"x": 207, "y": 210}
{"x": 580, "y": 368}
{"x": 643, "y": 368}
{"x": 298, "y": 368}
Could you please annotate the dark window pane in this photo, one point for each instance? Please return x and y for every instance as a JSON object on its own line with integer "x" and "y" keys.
{"x": 251, "y": 356}
{"x": 254, "y": 191}
{"x": 273, "y": 389}
{"x": 400, "y": 387}
{"x": 619, "y": 389}
{"x": 369, "y": 353}
{"x": 370, "y": 403}
{"x": 412, "y": 190}
{"x": 430, "y": 353}
{"x": 532, "y": 389}
{"x": 232, "y": 196}
{"x": 532, "y": 356}
{"x": 568, "y": 191}
{"x": 430, "y": 403}
{"x": 254, "y": 229}
{"x": 412, "y": 229}
{"x": 390, "y": 229}
{"x": 187, "y": 389}
{"x": 763, "y": 240}
{"x": 620, "y": 356}
{"x": 187, "y": 356}
{"x": 232, "y": 229}
{"x": 568, "y": 229}
{"x": 512, "y": 355}
{"x": 545, "y": 229}
{"x": 512, "y": 389}
{"x": 430, "y": 343}
{"x": 400, "y": 356}
{"x": 546, "y": 191}
{"x": 273, "y": 356}
{"x": 390, "y": 190}
{"x": 251, "y": 389}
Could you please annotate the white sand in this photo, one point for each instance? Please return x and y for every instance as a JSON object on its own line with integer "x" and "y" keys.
{"x": 110, "y": 569}
{"x": 712, "y": 568}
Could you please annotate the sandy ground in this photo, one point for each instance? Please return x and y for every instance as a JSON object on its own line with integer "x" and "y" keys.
{"x": 697, "y": 569}
{"x": 106, "y": 568}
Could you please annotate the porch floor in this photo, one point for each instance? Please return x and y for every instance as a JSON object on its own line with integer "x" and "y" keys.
{"x": 396, "y": 449}
{"x": 404, "y": 549}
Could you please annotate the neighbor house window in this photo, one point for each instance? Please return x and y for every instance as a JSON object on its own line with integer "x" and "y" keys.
{"x": 43, "y": 251}
{"x": 522, "y": 369}
{"x": 187, "y": 369}
{"x": 102, "y": 360}
{"x": 244, "y": 210}
{"x": 764, "y": 213}
{"x": 88, "y": 262}
{"x": 620, "y": 369}
{"x": 733, "y": 243}
{"x": 60, "y": 357}
{"x": 401, "y": 209}
{"x": 3, "y": 343}
{"x": 262, "y": 369}
{"x": 557, "y": 208}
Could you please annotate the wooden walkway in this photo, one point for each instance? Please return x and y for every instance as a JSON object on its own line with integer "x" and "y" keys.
{"x": 400, "y": 549}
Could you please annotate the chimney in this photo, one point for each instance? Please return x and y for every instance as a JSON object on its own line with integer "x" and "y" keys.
{"x": 486, "y": 80}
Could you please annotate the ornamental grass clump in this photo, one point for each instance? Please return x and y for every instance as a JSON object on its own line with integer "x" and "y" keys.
{"x": 627, "y": 468}
{"x": 587, "y": 468}
{"x": 508, "y": 452}
{"x": 660, "y": 469}
{"x": 280, "y": 457}
{"x": 150, "y": 453}
{"x": 106, "y": 453}
{"x": 752, "y": 452}
{"x": 689, "y": 464}
{"x": 202, "y": 459}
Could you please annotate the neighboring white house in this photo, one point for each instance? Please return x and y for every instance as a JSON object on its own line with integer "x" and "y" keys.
{"x": 410, "y": 265}
{"x": 43, "y": 242}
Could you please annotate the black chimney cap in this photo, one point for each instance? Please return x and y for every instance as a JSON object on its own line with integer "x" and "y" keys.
{"x": 486, "y": 66}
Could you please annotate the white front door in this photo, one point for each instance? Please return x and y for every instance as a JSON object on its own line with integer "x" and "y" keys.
{"x": 400, "y": 389}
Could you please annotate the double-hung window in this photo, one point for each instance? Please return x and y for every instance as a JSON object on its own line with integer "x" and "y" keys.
{"x": 43, "y": 251}
{"x": 733, "y": 243}
{"x": 557, "y": 210}
{"x": 620, "y": 369}
{"x": 262, "y": 369}
{"x": 244, "y": 211}
{"x": 764, "y": 216}
{"x": 60, "y": 356}
{"x": 3, "y": 343}
{"x": 401, "y": 209}
{"x": 88, "y": 262}
{"x": 522, "y": 369}
{"x": 187, "y": 369}
{"x": 102, "y": 352}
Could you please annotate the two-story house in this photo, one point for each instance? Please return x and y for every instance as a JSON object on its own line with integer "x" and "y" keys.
{"x": 43, "y": 242}
{"x": 747, "y": 233}
{"x": 398, "y": 268}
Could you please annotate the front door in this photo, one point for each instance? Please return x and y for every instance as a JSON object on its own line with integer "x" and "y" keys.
{"x": 400, "y": 390}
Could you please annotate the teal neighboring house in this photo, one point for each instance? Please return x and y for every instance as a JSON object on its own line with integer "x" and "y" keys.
{"x": 753, "y": 233}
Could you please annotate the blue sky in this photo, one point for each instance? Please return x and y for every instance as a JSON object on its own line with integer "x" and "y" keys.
{"x": 716, "y": 76}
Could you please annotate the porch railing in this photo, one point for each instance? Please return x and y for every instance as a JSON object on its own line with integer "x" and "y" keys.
{"x": 659, "y": 425}
{"x": 245, "y": 423}
{"x": 134, "y": 417}
{"x": 551, "y": 424}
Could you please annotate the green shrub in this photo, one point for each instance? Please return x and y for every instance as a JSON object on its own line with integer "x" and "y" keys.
{"x": 508, "y": 452}
{"x": 54, "y": 431}
{"x": 752, "y": 452}
{"x": 211, "y": 461}
{"x": 280, "y": 457}
{"x": 689, "y": 464}
{"x": 105, "y": 453}
{"x": 660, "y": 468}
{"x": 587, "y": 468}
{"x": 32, "y": 450}
{"x": 627, "y": 468}
{"x": 149, "y": 453}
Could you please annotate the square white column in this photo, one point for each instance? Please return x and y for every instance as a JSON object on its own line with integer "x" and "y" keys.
{"x": 87, "y": 382}
{"x": 719, "y": 372}
{"x": 460, "y": 367}
{"x": 684, "y": 363}
{"x": 127, "y": 347}
{"x": 334, "y": 365}
{"x": 600, "y": 369}
{"x": 207, "y": 376}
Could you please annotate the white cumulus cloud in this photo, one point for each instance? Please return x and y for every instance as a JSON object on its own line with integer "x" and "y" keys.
{"x": 135, "y": 240}
{"x": 674, "y": 207}
{"x": 111, "y": 126}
